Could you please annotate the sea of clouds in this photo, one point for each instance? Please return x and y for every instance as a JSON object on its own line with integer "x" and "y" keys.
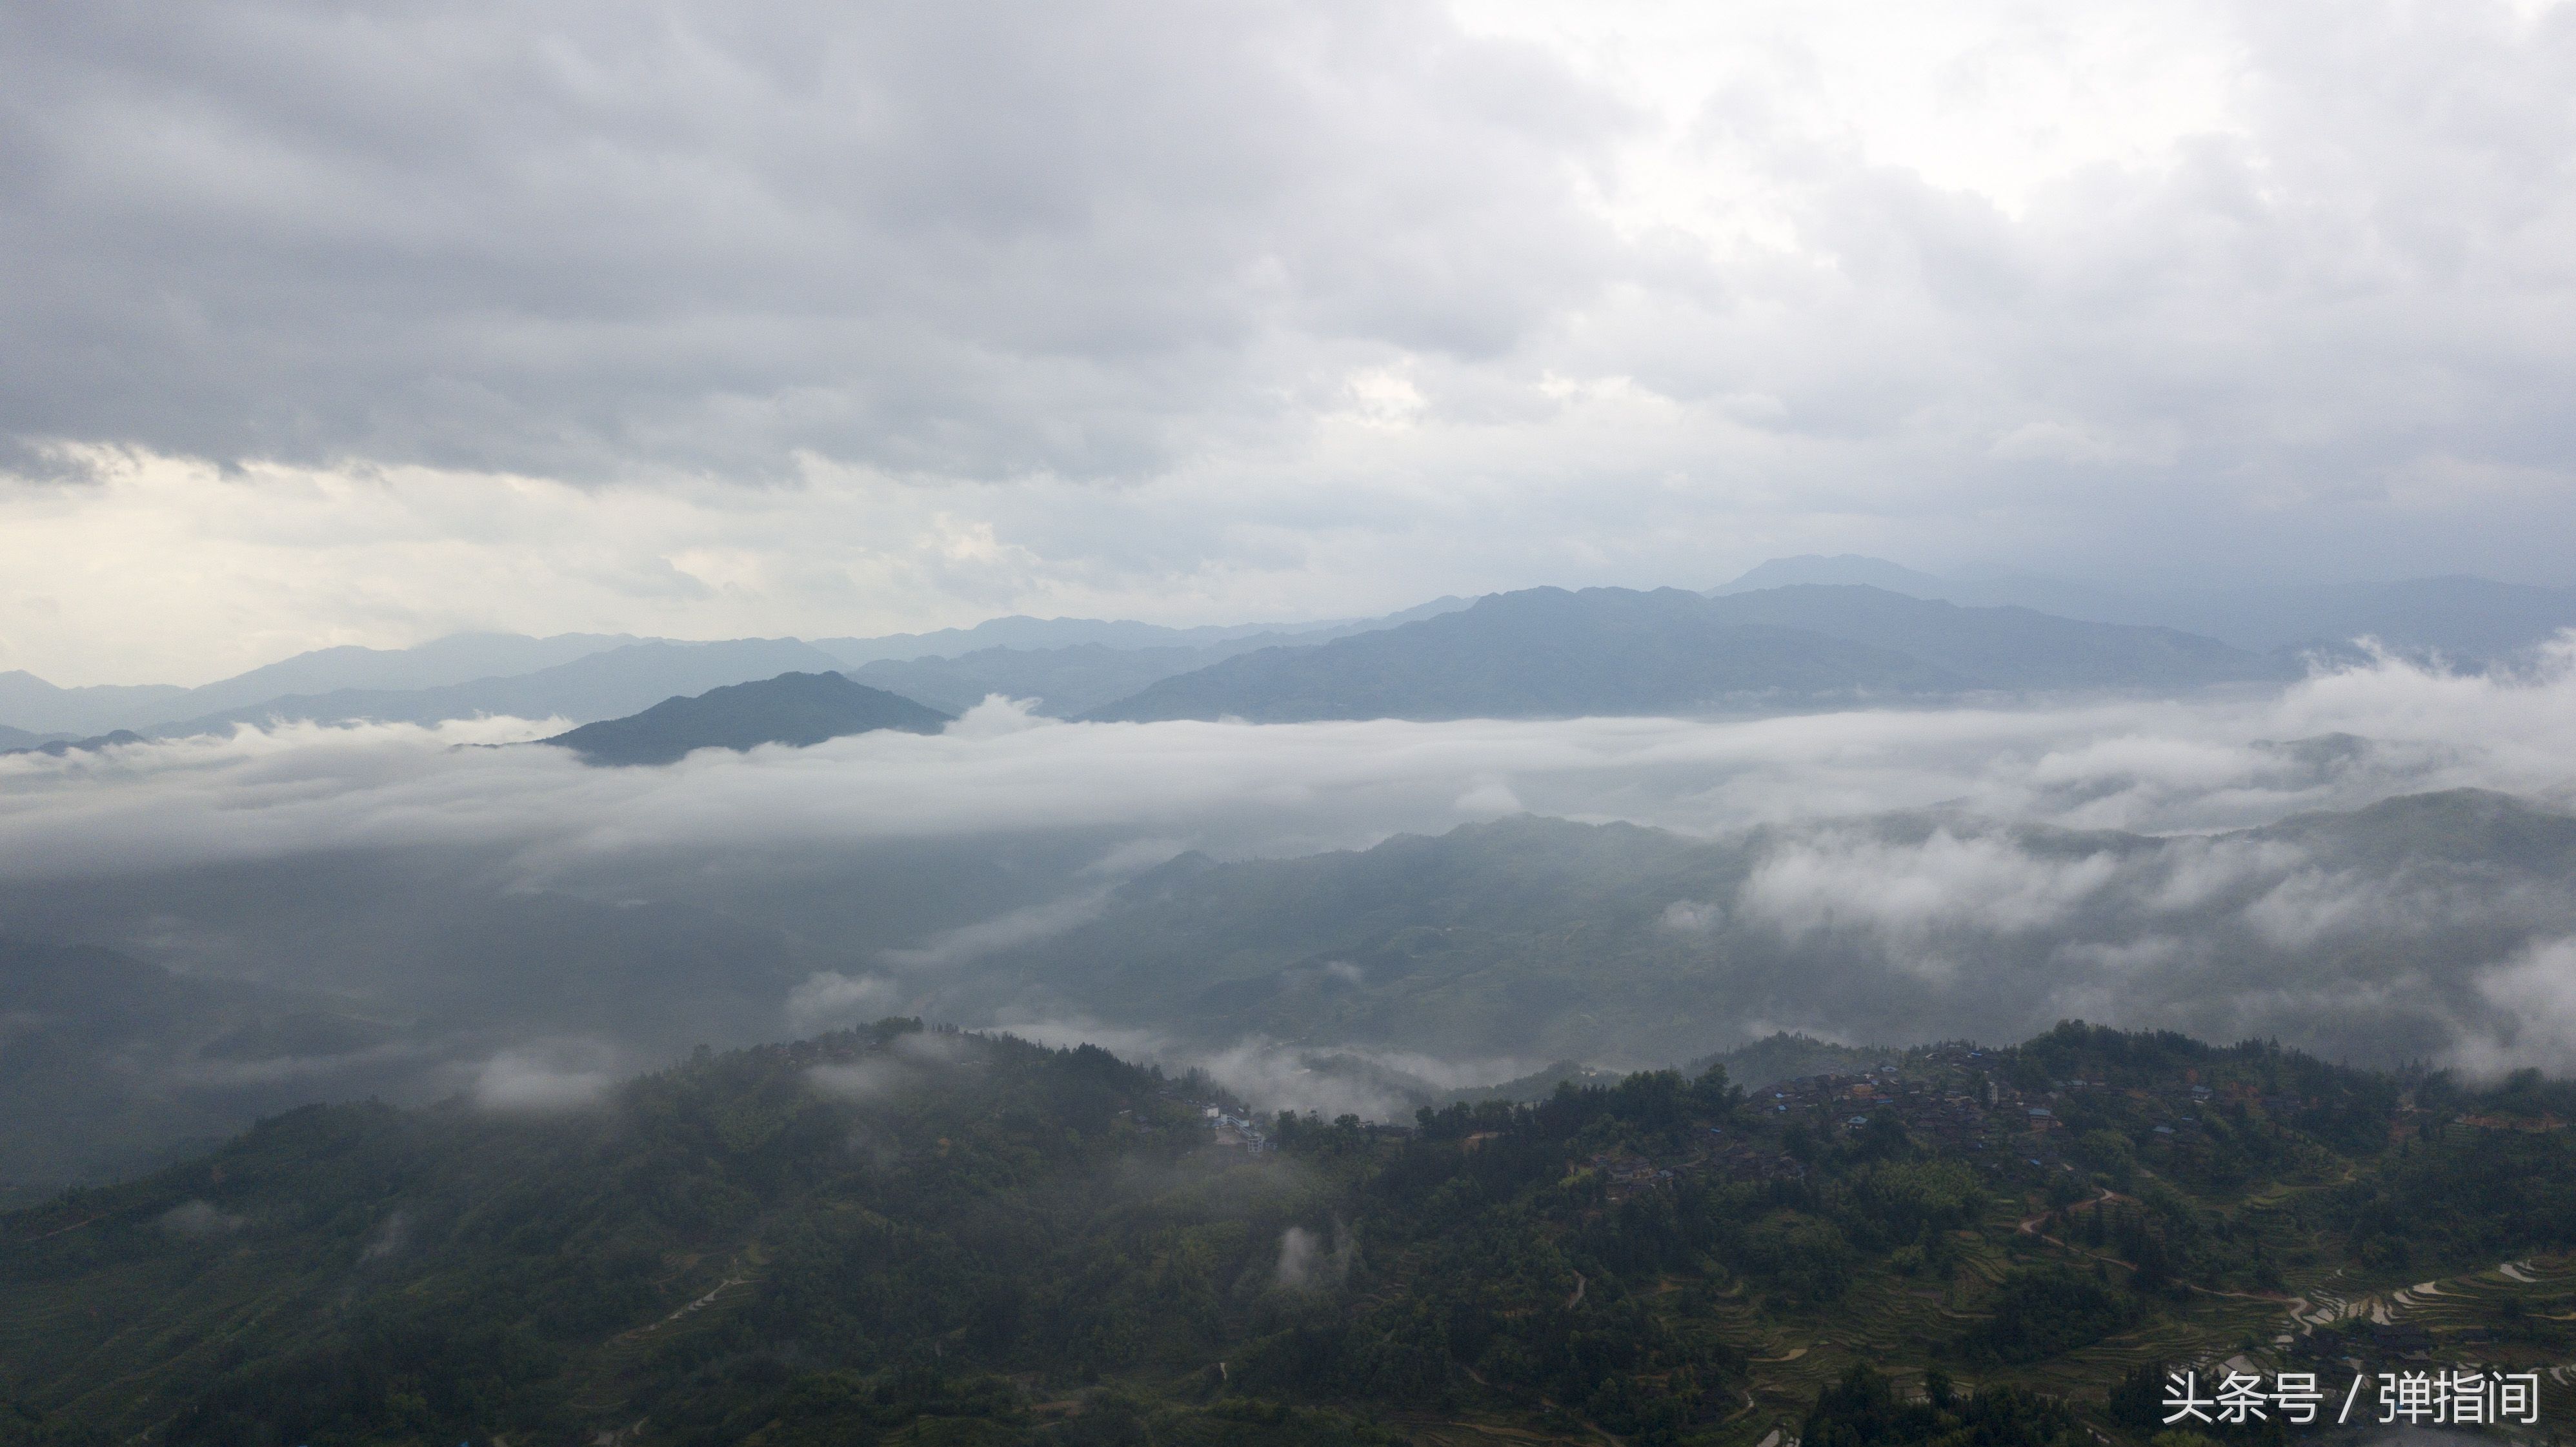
{"x": 2184, "y": 769}
{"x": 2151, "y": 765}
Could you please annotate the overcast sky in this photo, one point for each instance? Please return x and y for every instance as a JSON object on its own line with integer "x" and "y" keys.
{"x": 332, "y": 323}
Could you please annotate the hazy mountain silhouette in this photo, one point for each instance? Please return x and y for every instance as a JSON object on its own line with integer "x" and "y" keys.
{"x": 457, "y": 658}
{"x": 601, "y": 685}
{"x": 1547, "y": 652}
{"x": 2002, "y": 647}
{"x": 2470, "y": 620}
{"x": 1067, "y": 682}
{"x": 1024, "y": 633}
{"x": 115, "y": 1065}
{"x": 61, "y": 746}
{"x": 799, "y": 709}
{"x": 1544, "y": 652}
{"x": 1999, "y": 590}
{"x": 32, "y": 703}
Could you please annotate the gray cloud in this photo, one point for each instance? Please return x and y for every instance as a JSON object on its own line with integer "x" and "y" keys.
{"x": 199, "y": 1220}
{"x": 829, "y": 997}
{"x": 1268, "y": 310}
{"x": 912, "y": 1061}
{"x": 968, "y": 241}
{"x": 2377, "y": 941}
{"x": 1004, "y": 931}
{"x": 2531, "y": 1014}
{"x": 546, "y": 1076}
{"x": 1374, "y": 1083}
{"x": 1307, "y": 1263}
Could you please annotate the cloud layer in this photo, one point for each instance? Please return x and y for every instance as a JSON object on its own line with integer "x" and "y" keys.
{"x": 2356, "y": 734}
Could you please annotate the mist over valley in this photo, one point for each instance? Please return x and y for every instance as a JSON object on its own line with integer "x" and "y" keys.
{"x": 1146, "y": 723}
{"x": 1363, "y": 914}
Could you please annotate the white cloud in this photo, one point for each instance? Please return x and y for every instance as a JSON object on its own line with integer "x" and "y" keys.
{"x": 1327, "y": 1080}
{"x": 1306, "y": 1263}
{"x": 1910, "y": 892}
{"x": 1690, "y": 916}
{"x": 860, "y": 1080}
{"x": 996, "y": 715}
{"x": 1002, "y": 932}
{"x": 2312, "y": 904}
{"x": 827, "y": 998}
{"x": 910, "y": 1061}
{"x": 544, "y": 1078}
{"x": 2534, "y": 1000}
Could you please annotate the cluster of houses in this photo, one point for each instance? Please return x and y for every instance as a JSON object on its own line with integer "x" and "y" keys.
{"x": 1226, "y": 1129}
{"x": 1956, "y": 1099}
{"x": 1947, "y": 1098}
{"x": 1235, "y": 1132}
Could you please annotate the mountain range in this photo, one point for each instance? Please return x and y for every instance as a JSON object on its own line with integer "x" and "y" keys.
{"x": 1546, "y": 652}
{"x": 456, "y": 659}
{"x": 587, "y": 677}
{"x": 1122, "y": 669}
{"x": 2468, "y": 620}
{"x": 1070, "y": 681}
{"x": 1025, "y": 634}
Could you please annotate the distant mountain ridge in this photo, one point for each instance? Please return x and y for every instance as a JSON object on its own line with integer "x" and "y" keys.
{"x": 594, "y": 686}
{"x": 1543, "y": 652}
{"x": 1075, "y": 662}
{"x": 440, "y": 663}
{"x": 2469, "y": 620}
{"x": 36, "y": 705}
{"x": 115, "y": 1065}
{"x": 1066, "y": 682}
{"x": 798, "y": 709}
{"x": 31, "y": 705}
{"x": 2003, "y": 647}
{"x": 1114, "y": 668}
{"x": 57, "y": 747}
{"x": 1020, "y": 632}
{"x": 1546, "y": 652}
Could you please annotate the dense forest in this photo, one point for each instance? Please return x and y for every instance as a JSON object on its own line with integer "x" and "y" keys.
{"x": 905, "y": 1234}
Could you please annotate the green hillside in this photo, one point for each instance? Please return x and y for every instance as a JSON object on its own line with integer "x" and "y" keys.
{"x": 905, "y": 1235}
